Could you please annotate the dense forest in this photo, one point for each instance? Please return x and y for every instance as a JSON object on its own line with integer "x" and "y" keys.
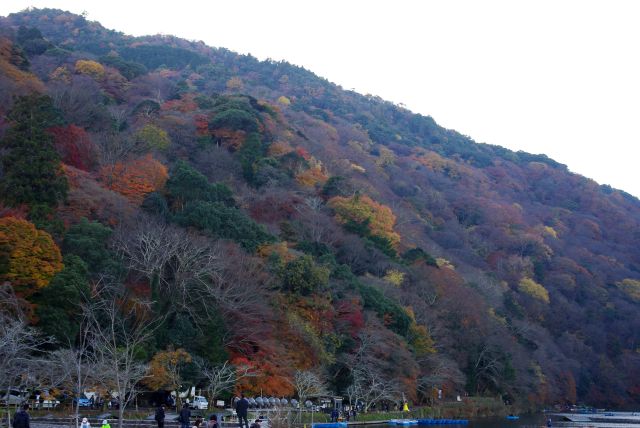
{"x": 214, "y": 211}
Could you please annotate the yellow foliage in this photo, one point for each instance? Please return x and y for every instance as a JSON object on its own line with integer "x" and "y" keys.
{"x": 235, "y": 83}
{"x": 61, "y": 73}
{"x": 358, "y": 168}
{"x": 280, "y": 148}
{"x": 90, "y": 68}
{"x": 386, "y": 157}
{"x": 153, "y": 137}
{"x": 395, "y": 277}
{"x": 421, "y": 340}
{"x": 30, "y": 257}
{"x": 549, "y": 231}
{"x": 361, "y": 209}
{"x": 492, "y": 313}
{"x": 533, "y": 289}
{"x": 444, "y": 263}
{"x": 360, "y": 146}
{"x": 631, "y": 287}
{"x": 280, "y": 249}
{"x": 284, "y": 100}
{"x": 419, "y": 337}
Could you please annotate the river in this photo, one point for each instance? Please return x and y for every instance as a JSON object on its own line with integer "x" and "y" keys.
{"x": 527, "y": 421}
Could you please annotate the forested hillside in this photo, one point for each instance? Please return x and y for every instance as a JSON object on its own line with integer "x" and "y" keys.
{"x": 226, "y": 209}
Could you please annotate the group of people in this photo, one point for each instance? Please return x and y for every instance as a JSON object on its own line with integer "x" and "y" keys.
{"x": 184, "y": 417}
{"x": 22, "y": 419}
{"x": 85, "y": 423}
{"x": 346, "y": 415}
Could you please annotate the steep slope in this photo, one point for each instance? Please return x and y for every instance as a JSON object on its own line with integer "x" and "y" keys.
{"x": 353, "y": 235}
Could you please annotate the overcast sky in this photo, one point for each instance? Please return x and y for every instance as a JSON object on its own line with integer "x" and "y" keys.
{"x": 555, "y": 77}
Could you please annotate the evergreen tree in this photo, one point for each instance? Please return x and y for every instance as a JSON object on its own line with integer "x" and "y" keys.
{"x": 32, "y": 173}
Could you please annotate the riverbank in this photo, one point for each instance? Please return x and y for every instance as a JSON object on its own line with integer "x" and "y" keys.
{"x": 468, "y": 408}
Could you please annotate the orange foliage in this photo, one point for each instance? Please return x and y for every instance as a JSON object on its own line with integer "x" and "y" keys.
{"x": 272, "y": 378}
{"x": 312, "y": 176}
{"x": 9, "y": 61}
{"x": 31, "y": 257}
{"x": 135, "y": 178}
{"x": 280, "y": 148}
{"x": 279, "y": 249}
{"x": 232, "y": 140}
{"x": 202, "y": 125}
{"x": 164, "y": 369}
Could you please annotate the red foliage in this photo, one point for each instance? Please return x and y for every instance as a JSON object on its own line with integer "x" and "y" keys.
{"x": 303, "y": 153}
{"x": 87, "y": 198}
{"x": 185, "y": 104}
{"x": 19, "y": 212}
{"x": 349, "y": 315}
{"x": 202, "y": 125}
{"x": 74, "y": 146}
{"x": 272, "y": 377}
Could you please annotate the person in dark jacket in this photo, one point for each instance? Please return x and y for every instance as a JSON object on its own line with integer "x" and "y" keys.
{"x": 160, "y": 416}
{"x": 21, "y": 418}
{"x": 241, "y": 410}
{"x": 185, "y": 414}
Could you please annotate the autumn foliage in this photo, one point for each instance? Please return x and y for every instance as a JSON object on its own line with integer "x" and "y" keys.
{"x": 28, "y": 257}
{"x": 90, "y": 68}
{"x": 74, "y": 146}
{"x": 362, "y": 211}
{"x": 164, "y": 369}
{"x": 136, "y": 178}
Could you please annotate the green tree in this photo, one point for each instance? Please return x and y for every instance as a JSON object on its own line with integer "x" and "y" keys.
{"x": 224, "y": 222}
{"x": 186, "y": 184}
{"x": 58, "y": 305}
{"x": 251, "y": 153}
{"x": 32, "y": 169}
{"x": 153, "y": 137}
{"x": 88, "y": 240}
{"x": 304, "y": 276}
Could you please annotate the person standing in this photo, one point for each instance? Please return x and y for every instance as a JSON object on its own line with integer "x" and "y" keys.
{"x": 213, "y": 422}
{"x": 85, "y": 423}
{"x": 160, "y": 416}
{"x": 185, "y": 414}
{"x": 21, "y": 418}
{"x": 242, "y": 406}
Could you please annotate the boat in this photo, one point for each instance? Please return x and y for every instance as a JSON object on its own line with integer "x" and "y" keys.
{"x": 513, "y": 417}
{"x": 403, "y": 422}
{"x": 329, "y": 425}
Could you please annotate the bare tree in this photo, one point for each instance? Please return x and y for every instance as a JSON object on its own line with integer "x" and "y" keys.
{"x": 76, "y": 366}
{"x": 308, "y": 384}
{"x": 437, "y": 371}
{"x": 223, "y": 378}
{"x": 19, "y": 343}
{"x": 372, "y": 386}
{"x": 117, "y": 331}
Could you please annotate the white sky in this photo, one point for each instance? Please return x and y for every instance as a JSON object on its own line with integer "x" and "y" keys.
{"x": 559, "y": 77}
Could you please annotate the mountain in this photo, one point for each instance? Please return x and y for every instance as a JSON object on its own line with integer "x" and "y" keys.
{"x": 269, "y": 218}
